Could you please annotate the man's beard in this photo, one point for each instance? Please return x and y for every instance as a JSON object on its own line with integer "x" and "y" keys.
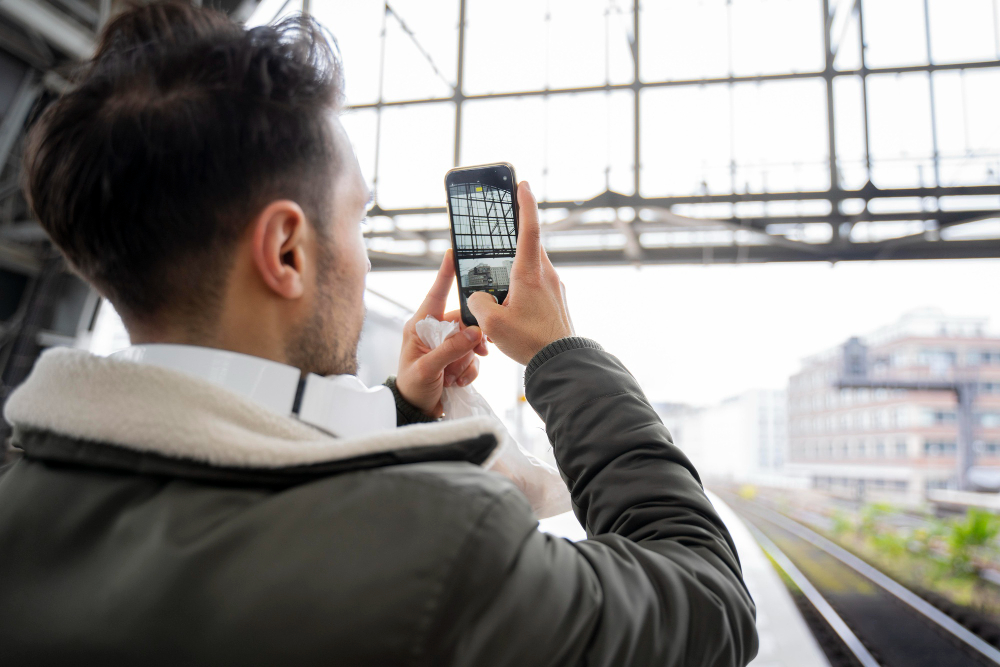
{"x": 325, "y": 345}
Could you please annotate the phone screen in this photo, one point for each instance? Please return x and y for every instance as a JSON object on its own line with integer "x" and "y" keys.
{"x": 483, "y": 212}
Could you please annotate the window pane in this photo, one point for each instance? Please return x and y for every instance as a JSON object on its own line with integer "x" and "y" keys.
{"x": 846, "y": 34}
{"x": 584, "y": 37}
{"x": 965, "y": 104}
{"x": 270, "y": 11}
{"x": 899, "y": 117}
{"x": 850, "y": 131}
{"x": 544, "y": 141}
{"x": 963, "y": 30}
{"x": 356, "y": 27}
{"x": 528, "y": 45}
{"x": 894, "y": 32}
{"x": 683, "y": 40}
{"x": 685, "y": 134}
{"x": 416, "y": 149}
{"x": 780, "y": 140}
{"x": 771, "y": 36}
{"x": 360, "y": 126}
{"x": 504, "y": 46}
{"x": 507, "y": 130}
{"x": 588, "y": 134}
{"x": 411, "y": 59}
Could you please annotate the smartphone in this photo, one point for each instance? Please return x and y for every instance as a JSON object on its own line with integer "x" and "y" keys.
{"x": 482, "y": 205}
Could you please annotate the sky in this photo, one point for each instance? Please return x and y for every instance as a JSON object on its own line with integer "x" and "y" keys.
{"x": 699, "y": 334}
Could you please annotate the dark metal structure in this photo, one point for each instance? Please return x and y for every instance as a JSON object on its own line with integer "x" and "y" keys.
{"x": 631, "y": 218}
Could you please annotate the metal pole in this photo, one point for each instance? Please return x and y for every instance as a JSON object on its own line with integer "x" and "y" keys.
{"x": 828, "y": 75}
{"x": 378, "y": 108}
{"x": 104, "y": 13}
{"x": 930, "y": 83}
{"x": 636, "y": 85}
{"x": 459, "y": 83}
{"x": 13, "y": 121}
{"x": 864, "y": 85}
{"x": 966, "y": 455}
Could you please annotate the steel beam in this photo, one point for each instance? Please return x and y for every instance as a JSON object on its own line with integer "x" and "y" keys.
{"x": 728, "y": 254}
{"x": 13, "y": 120}
{"x": 613, "y": 199}
{"x": 761, "y": 78}
{"x": 58, "y": 29}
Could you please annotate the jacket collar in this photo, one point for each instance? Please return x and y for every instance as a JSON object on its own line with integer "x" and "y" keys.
{"x": 338, "y": 404}
{"x": 141, "y": 408}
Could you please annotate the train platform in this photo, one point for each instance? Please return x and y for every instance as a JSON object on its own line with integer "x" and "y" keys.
{"x": 785, "y": 639}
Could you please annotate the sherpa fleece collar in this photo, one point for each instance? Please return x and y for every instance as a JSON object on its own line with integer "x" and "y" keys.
{"x": 149, "y": 409}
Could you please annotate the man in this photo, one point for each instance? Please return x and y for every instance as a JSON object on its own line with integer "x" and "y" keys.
{"x": 177, "y": 508}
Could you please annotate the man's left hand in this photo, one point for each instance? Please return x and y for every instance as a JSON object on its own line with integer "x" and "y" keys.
{"x": 423, "y": 372}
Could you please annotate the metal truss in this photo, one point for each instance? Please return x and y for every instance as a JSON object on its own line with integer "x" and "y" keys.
{"x": 484, "y": 221}
{"x": 763, "y": 238}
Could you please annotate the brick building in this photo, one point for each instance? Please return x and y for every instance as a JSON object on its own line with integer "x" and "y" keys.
{"x": 896, "y": 444}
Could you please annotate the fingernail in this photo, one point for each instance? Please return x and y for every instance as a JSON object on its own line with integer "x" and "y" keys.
{"x": 472, "y": 334}
{"x": 449, "y": 380}
{"x": 462, "y": 382}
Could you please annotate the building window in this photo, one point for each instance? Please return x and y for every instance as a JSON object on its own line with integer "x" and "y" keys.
{"x": 989, "y": 419}
{"x": 937, "y": 360}
{"x": 880, "y": 449}
{"x": 983, "y": 358}
{"x": 938, "y": 417}
{"x": 933, "y": 484}
{"x": 988, "y": 448}
{"x": 940, "y": 448}
{"x": 901, "y": 449}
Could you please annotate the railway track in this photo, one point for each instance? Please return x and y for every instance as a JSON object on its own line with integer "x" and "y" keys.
{"x": 875, "y": 621}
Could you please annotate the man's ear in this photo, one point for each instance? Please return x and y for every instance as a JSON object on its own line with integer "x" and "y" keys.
{"x": 279, "y": 253}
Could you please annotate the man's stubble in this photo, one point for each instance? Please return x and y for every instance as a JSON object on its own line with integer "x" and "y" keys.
{"x": 325, "y": 343}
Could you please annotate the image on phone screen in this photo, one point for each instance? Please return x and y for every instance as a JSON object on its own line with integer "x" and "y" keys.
{"x": 485, "y": 230}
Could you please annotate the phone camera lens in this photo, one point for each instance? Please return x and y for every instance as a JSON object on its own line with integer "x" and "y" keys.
{"x": 505, "y": 178}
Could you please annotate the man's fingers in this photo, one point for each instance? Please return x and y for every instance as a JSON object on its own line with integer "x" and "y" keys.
{"x": 470, "y": 374}
{"x": 450, "y": 351}
{"x": 484, "y": 308}
{"x": 456, "y": 370}
{"x": 529, "y": 235}
{"x": 437, "y": 297}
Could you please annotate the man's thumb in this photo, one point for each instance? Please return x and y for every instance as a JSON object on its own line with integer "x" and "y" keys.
{"x": 483, "y": 306}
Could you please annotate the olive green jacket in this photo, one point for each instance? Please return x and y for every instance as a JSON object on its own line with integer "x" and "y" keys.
{"x": 155, "y": 519}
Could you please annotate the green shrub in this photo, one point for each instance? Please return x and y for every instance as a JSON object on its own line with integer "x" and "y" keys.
{"x": 970, "y": 538}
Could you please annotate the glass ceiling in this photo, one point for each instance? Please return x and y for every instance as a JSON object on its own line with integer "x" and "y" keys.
{"x": 737, "y": 100}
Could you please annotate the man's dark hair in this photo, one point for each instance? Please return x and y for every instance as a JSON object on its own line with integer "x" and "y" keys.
{"x": 182, "y": 127}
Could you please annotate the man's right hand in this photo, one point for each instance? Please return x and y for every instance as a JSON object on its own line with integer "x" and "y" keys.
{"x": 534, "y": 313}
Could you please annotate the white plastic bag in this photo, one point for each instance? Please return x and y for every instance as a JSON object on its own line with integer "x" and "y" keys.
{"x": 539, "y": 481}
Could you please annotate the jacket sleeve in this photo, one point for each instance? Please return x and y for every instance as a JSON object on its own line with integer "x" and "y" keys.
{"x": 658, "y": 582}
{"x": 406, "y": 412}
